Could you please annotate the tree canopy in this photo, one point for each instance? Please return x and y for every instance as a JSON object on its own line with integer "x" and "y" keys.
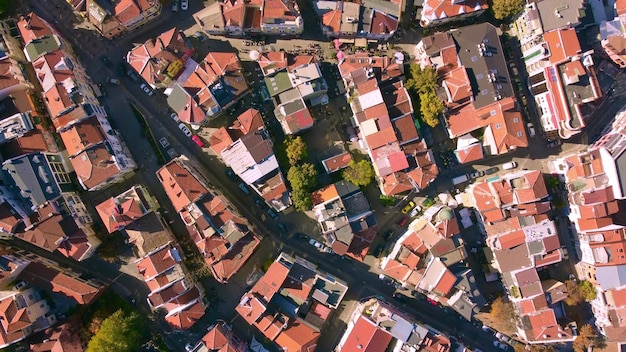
{"x": 577, "y": 292}
{"x": 296, "y": 149}
{"x": 587, "y": 337}
{"x": 303, "y": 178}
{"x": 4, "y": 6}
{"x": 360, "y": 173}
{"x": 120, "y": 332}
{"x": 506, "y": 8}
{"x": 421, "y": 80}
{"x": 502, "y": 312}
{"x": 430, "y": 107}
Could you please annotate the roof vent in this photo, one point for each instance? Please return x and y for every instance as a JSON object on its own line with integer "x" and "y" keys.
{"x": 359, "y": 346}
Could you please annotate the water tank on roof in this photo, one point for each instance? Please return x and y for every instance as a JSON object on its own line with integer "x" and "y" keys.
{"x": 445, "y": 214}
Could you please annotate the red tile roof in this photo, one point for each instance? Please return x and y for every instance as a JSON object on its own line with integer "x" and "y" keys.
{"x": 82, "y": 135}
{"x": 337, "y": 162}
{"x": 366, "y": 337}
{"x": 220, "y": 339}
{"x": 434, "y": 10}
{"x": 382, "y": 23}
{"x": 181, "y": 186}
{"x": 118, "y": 217}
{"x": 470, "y": 153}
{"x": 457, "y": 85}
{"x": 95, "y": 166}
{"x": 298, "y": 337}
{"x": 620, "y": 7}
{"x": 332, "y": 20}
{"x": 158, "y": 262}
{"x": 563, "y": 44}
{"x": 32, "y": 27}
{"x": 56, "y": 281}
{"x": 186, "y": 318}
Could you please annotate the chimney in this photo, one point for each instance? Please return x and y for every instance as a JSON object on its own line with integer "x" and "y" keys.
{"x": 27, "y": 26}
{"x": 118, "y": 206}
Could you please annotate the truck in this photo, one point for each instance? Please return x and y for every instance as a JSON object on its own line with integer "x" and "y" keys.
{"x": 460, "y": 179}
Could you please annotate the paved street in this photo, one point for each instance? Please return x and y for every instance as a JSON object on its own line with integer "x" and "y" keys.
{"x": 361, "y": 277}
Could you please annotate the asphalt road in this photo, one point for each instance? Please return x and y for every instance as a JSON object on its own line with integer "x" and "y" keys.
{"x": 360, "y": 277}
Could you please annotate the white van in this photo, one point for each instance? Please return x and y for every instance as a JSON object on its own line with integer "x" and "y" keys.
{"x": 509, "y": 166}
{"x": 460, "y": 179}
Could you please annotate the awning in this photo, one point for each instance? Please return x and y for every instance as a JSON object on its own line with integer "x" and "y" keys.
{"x": 346, "y": 40}
{"x": 360, "y": 42}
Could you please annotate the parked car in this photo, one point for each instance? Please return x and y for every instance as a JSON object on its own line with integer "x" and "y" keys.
{"x": 509, "y": 166}
{"x": 492, "y": 170}
{"x": 460, "y": 179}
{"x": 164, "y": 143}
{"x": 403, "y": 221}
{"x": 185, "y": 130}
{"x": 201, "y": 37}
{"x": 554, "y": 143}
{"x": 301, "y": 236}
{"x": 388, "y": 234}
{"x": 415, "y": 211}
{"x": 244, "y": 188}
{"x": 174, "y": 117}
{"x": 531, "y": 130}
{"x": 272, "y": 214}
{"x": 146, "y": 89}
{"x": 282, "y": 227}
{"x": 113, "y": 81}
{"x": 407, "y": 208}
{"x": 379, "y": 250}
{"x": 184, "y": 4}
{"x": 500, "y": 345}
{"x": 231, "y": 174}
{"x": 106, "y": 61}
{"x": 174, "y": 5}
{"x": 133, "y": 75}
{"x": 477, "y": 174}
{"x": 315, "y": 244}
{"x": 259, "y": 204}
{"x": 197, "y": 140}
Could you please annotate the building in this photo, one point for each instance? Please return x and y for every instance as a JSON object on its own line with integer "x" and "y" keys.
{"x": 613, "y": 35}
{"x": 561, "y": 75}
{"x": 521, "y": 239}
{"x": 484, "y": 110}
{"x": 172, "y": 287}
{"x": 357, "y": 23}
{"x": 122, "y": 210}
{"x": 23, "y": 313}
{"x": 221, "y": 338}
{"x": 223, "y": 237}
{"x": 183, "y": 184}
{"x": 251, "y": 18}
{"x": 438, "y": 12}
{"x": 61, "y": 338}
{"x": 51, "y": 277}
{"x": 71, "y": 101}
{"x": 383, "y": 113}
{"x": 377, "y": 326}
{"x": 51, "y": 228}
{"x": 115, "y": 19}
{"x": 594, "y": 180}
{"x": 345, "y": 218}
{"x": 161, "y": 60}
{"x": 291, "y": 302}
{"x": 41, "y": 177}
{"x": 247, "y": 149}
{"x": 147, "y": 233}
{"x": 207, "y": 88}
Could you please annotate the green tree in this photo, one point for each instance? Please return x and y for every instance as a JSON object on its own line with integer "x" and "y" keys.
{"x": 421, "y": 80}
{"x": 360, "y": 173}
{"x": 430, "y": 107}
{"x": 118, "y": 333}
{"x": 302, "y": 200}
{"x": 506, "y": 8}
{"x": 302, "y": 177}
{"x": 587, "y": 337}
{"x": 296, "y": 149}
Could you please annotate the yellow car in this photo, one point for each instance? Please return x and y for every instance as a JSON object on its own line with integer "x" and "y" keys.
{"x": 407, "y": 208}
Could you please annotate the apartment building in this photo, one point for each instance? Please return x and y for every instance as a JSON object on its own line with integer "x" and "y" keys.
{"x": 113, "y": 19}
{"x": 290, "y": 304}
{"x": 383, "y": 115}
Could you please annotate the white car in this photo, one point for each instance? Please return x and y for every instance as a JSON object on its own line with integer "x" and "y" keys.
{"x": 174, "y": 117}
{"x": 146, "y": 89}
{"x": 531, "y": 130}
{"x": 184, "y": 4}
{"x": 415, "y": 211}
{"x": 185, "y": 130}
{"x": 174, "y": 5}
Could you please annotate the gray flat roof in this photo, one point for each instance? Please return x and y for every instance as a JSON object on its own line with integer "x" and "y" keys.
{"x": 481, "y": 53}
{"x": 558, "y": 13}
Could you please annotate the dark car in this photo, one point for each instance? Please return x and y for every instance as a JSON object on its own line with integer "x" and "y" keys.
{"x": 388, "y": 234}
{"x": 106, "y": 61}
{"x": 231, "y": 174}
{"x": 259, "y": 203}
{"x": 282, "y": 227}
{"x": 272, "y": 214}
{"x": 379, "y": 250}
{"x": 301, "y": 236}
{"x": 492, "y": 170}
{"x": 403, "y": 221}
